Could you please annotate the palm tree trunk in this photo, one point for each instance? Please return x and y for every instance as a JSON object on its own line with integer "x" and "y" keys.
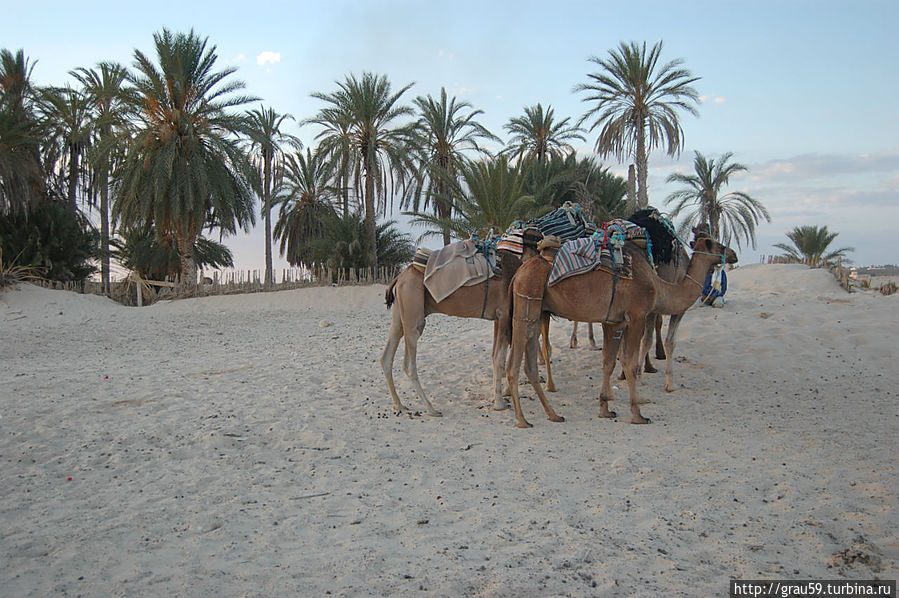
{"x": 642, "y": 167}
{"x": 267, "y": 201}
{"x": 188, "y": 261}
{"x": 370, "y": 236}
{"x": 104, "y": 233}
{"x": 631, "y": 189}
{"x": 73, "y": 173}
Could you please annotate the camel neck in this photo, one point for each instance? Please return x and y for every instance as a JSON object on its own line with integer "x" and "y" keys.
{"x": 677, "y": 298}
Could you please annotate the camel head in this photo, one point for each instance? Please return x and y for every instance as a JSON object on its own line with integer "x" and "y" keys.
{"x": 703, "y": 243}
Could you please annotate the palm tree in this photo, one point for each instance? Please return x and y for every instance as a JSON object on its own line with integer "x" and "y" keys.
{"x": 185, "y": 169}
{"x": 306, "y": 207}
{"x": 447, "y": 129}
{"x": 157, "y": 258}
{"x": 810, "y": 246}
{"x": 336, "y": 142}
{"x": 379, "y": 148}
{"x": 491, "y": 193}
{"x": 635, "y": 101}
{"x": 107, "y": 98}
{"x": 21, "y": 175}
{"x": 729, "y": 216}
{"x": 343, "y": 244}
{"x": 267, "y": 138}
{"x": 65, "y": 112}
{"x": 536, "y": 135}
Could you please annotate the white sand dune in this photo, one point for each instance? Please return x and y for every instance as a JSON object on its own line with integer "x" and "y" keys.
{"x": 245, "y": 446}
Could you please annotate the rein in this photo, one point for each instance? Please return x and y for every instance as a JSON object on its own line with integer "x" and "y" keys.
{"x": 696, "y": 282}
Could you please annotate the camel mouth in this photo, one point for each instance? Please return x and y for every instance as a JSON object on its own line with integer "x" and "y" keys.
{"x": 730, "y": 256}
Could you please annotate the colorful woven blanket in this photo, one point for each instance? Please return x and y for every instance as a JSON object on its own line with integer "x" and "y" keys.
{"x": 583, "y": 255}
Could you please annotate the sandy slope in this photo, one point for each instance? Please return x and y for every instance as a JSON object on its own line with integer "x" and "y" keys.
{"x": 245, "y": 446}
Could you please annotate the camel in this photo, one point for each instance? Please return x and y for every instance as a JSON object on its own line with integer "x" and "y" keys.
{"x": 622, "y": 305}
{"x": 413, "y": 303}
{"x": 671, "y": 265}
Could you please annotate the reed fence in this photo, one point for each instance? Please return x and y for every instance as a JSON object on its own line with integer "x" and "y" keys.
{"x": 134, "y": 290}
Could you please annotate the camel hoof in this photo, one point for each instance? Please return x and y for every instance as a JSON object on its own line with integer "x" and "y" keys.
{"x": 550, "y": 388}
{"x": 660, "y": 355}
{"x": 500, "y": 405}
{"x": 642, "y": 401}
{"x": 595, "y": 348}
{"x": 669, "y": 389}
{"x": 435, "y": 413}
{"x": 523, "y": 424}
{"x": 557, "y": 418}
{"x": 609, "y": 415}
{"x": 640, "y": 420}
{"x": 572, "y": 345}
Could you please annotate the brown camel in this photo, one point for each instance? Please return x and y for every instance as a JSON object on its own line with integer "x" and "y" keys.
{"x": 672, "y": 271}
{"x": 488, "y": 300}
{"x": 622, "y": 305}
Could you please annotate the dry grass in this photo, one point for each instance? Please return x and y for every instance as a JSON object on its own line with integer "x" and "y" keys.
{"x": 11, "y": 273}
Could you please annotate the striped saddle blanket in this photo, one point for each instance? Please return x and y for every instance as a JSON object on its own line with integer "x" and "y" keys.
{"x": 579, "y": 256}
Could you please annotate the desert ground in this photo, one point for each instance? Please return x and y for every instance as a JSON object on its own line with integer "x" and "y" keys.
{"x": 246, "y": 446}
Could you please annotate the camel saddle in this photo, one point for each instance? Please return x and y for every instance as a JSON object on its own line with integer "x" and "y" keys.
{"x": 456, "y": 265}
{"x": 579, "y": 256}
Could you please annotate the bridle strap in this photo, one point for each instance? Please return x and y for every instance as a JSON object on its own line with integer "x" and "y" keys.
{"x": 696, "y": 282}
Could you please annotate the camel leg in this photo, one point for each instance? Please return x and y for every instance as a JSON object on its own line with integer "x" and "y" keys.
{"x": 670, "y": 343}
{"x": 547, "y": 352}
{"x": 572, "y": 341}
{"x": 591, "y": 338}
{"x": 632, "y": 343}
{"x": 393, "y": 341}
{"x": 648, "y": 336}
{"x": 611, "y": 338}
{"x": 500, "y": 354}
{"x": 531, "y": 371}
{"x": 660, "y": 345}
{"x": 410, "y": 365}
{"x": 513, "y": 368}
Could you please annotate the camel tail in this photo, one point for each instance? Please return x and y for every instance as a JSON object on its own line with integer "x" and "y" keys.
{"x": 388, "y": 296}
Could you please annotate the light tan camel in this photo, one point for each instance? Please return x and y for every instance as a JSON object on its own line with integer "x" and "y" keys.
{"x": 412, "y": 303}
{"x": 620, "y": 304}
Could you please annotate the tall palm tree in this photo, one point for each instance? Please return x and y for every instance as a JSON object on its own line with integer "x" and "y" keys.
{"x": 185, "y": 169}
{"x": 306, "y": 206}
{"x": 536, "y": 134}
{"x": 635, "y": 102}
{"x": 729, "y": 215}
{"x": 21, "y": 172}
{"x": 108, "y": 101}
{"x": 267, "y": 140}
{"x": 447, "y": 129}
{"x": 491, "y": 193}
{"x": 65, "y": 112}
{"x": 336, "y": 142}
{"x": 379, "y": 147}
{"x": 811, "y": 245}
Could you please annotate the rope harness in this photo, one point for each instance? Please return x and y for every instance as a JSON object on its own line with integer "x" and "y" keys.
{"x": 527, "y": 308}
{"x": 486, "y": 292}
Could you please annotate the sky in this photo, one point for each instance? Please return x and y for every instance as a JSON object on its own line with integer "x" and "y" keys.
{"x": 805, "y": 94}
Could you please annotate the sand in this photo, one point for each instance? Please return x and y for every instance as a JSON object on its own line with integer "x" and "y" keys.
{"x": 245, "y": 446}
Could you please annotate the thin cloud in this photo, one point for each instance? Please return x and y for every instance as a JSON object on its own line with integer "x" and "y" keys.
{"x": 713, "y": 99}
{"x": 825, "y": 166}
{"x": 268, "y": 58}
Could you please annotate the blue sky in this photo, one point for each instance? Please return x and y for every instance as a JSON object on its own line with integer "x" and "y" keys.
{"x": 804, "y": 93}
